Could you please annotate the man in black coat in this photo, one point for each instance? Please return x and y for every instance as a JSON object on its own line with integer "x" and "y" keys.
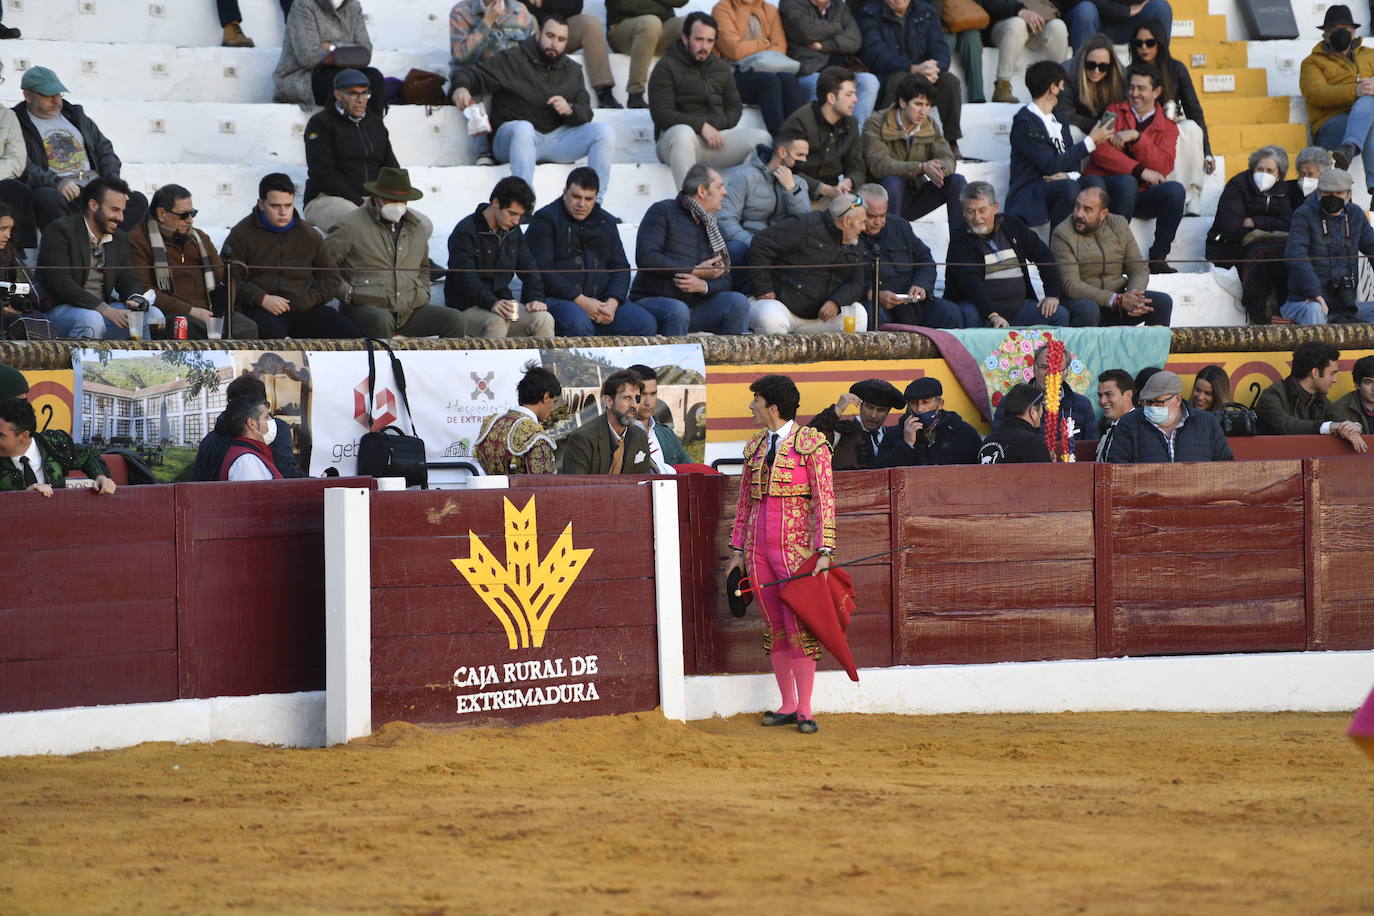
{"x": 346, "y": 145}
{"x": 905, "y": 278}
{"x": 932, "y": 435}
{"x": 1018, "y": 440}
{"x": 215, "y": 445}
{"x": 818, "y": 297}
{"x": 863, "y": 441}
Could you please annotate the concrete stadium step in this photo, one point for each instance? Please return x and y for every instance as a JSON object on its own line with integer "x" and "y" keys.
{"x": 1246, "y": 82}
{"x": 1207, "y": 28}
{"x": 1227, "y": 109}
{"x": 1199, "y": 54}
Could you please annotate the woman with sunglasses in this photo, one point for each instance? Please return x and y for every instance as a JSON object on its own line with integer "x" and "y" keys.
{"x": 1194, "y": 159}
{"x": 1096, "y": 80}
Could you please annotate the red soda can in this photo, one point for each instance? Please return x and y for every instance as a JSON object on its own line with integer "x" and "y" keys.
{"x": 180, "y": 327}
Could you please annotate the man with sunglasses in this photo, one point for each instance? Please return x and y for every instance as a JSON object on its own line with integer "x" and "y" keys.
{"x": 180, "y": 261}
{"x": 613, "y": 443}
{"x": 1165, "y": 429}
{"x": 346, "y": 146}
{"x": 809, "y": 275}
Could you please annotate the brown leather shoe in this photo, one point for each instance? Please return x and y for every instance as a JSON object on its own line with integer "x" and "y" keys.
{"x": 1001, "y": 92}
{"x": 234, "y": 37}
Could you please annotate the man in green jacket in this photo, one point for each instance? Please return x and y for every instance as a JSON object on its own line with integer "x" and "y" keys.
{"x": 665, "y": 448}
{"x": 905, "y": 151}
{"x": 1298, "y": 406}
{"x": 30, "y": 460}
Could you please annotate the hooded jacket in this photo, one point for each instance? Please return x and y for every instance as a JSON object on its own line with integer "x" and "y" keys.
{"x": 1327, "y": 80}
{"x": 385, "y": 269}
{"x": 342, "y": 154}
{"x": 309, "y": 24}
{"x": 889, "y": 150}
{"x": 754, "y": 199}
{"x": 808, "y": 241}
{"x": 892, "y": 44}
{"x": 99, "y": 151}
{"x": 521, "y": 81}
{"x": 836, "y": 149}
{"x": 579, "y": 257}
{"x": 835, "y": 30}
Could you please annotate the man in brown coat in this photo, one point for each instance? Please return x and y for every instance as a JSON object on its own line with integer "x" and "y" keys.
{"x": 905, "y": 151}
{"x": 178, "y": 260}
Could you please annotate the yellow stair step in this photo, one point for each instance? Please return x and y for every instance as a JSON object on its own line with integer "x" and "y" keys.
{"x": 1208, "y": 28}
{"x": 1248, "y": 81}
{"x": 1199, "y": 54}
{"x": 1250, "y": 137}
{"x": 1223, "y": 108}
{"x": 1189, "y": 9}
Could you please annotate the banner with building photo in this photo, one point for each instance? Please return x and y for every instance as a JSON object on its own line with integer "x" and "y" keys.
{"x": 452, "y": 391}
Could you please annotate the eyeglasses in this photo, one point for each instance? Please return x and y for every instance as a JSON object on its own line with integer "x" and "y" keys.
{"x": 1144, "y": 43}
{"x": 858, "y": 204}
{"x": 1091, "y": 66}
{"x": 358, "y": 93}
{"x": 1160, "y": 402}
{"x": 184, "y": 214}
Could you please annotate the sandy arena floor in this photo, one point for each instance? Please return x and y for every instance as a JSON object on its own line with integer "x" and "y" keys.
{"x": 1124, "y": 813}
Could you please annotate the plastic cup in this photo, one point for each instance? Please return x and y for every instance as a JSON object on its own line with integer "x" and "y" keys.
{"x": 214, "y": 328}
{"x": 849, "y": 324}
{"x": 138, "y": 323}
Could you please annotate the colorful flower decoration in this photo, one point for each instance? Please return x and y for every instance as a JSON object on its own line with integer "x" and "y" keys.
{"x": 1055, "y": 425}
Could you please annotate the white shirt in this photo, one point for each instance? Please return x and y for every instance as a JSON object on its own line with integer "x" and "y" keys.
{"x": 35, "y": 461}
{"x": 1056, "y": 131}
{"x": 656, "y": 449}
{"x": 782, "y": 433}
{"x": 249, "y": 467}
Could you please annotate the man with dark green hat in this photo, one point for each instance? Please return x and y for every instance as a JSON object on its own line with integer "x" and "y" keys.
{"x": 383, "y": 249}
{"x": 12, "y": 383}
{"x": 864, "y": 442}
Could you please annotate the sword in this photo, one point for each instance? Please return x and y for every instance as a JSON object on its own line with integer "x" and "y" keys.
{"x": 741, "y": 592}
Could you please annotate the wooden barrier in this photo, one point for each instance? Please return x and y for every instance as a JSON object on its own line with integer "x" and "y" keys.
{"x": 1263, "y": 448}
{"x": 1341, "y": 542}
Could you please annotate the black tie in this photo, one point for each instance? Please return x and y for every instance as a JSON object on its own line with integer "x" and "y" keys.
{"x": 877, "y": 435}
{"x": 30, "y": 478}
{"x": 772, "y": 448}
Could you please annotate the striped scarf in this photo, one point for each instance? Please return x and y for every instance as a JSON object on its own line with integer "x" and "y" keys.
{"x": 163, "y": 272}
{"x": 714, "y": 239}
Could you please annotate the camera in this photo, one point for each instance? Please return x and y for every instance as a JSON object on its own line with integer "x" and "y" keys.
{"x": 28, "y": 323}
{"x": 141, "y": 302}
{"x": 18, "y": 296}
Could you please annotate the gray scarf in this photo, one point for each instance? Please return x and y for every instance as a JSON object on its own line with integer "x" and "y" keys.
{"x": 713, "y": 237}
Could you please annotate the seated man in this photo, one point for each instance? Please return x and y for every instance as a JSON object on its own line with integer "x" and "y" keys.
{"x": 930, "y": 434}
{"x": 752, "y": 39}
{"x": 695, "y": 105}
{"x": 1116, "y": 397}
{"x": 904, "y": 150}
{"x": 1166, "y": 429}
{"x": 1328, "y": 234}
{"x": 665, "y": 448}
{"x": 478, "y": 30}
{"x": 248, "y": 423}
{"x": 1016, "y": 29}
{"x": 835, "y": 163}
{"x": 180, "y": 261}
{"x": 643, "y": 29}
{"x": 486, "y": 250}
{"x": 65, "y": 151}
{"x": 585, "y": 272}
{"x": 1358, "y": 405}
{"x": 613, "y": 443}
{"x": 1118, "y": 20}
{"x": 210, "y": 454}
{"x": 902, "y": 37}
{"x": 1018, "y": 440}
{"x": 382, "y": 249}
{"x": 821, "y": 34}
{"x": 906, "y": 270}
{"x": 1133, "y": 164}
{"x": 268, "y": 252}
{"x": 988, "y": 269}
{"x": 681, "y": 234}
{"x": 515, "y": 442}
{"x": 586, "y": 33}
{"x": 1337, "y": 81}
{"x": 30, "y": 460}
{"x": 540, "y": 110}
{"x": 1298, "y": 405}
{"x": 346, "y": 145}
{"x": 826, "y": 285}
{"x": 86, "y": 273}
{"x": 765, "y": 189}
{"x": 1078, "y": 408}
{"x": 1102, "y": 273}
{"x": 864, "y": 441}
{"x": 1045, "y": 161}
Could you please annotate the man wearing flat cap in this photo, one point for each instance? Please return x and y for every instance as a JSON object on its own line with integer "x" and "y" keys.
{"x": 346, "y": 146}
{"x": 1328, "y": 235}
{"x": 931, "y": 434}
{"x": 1165, "y": 429}
{"x": 383, "y": 249}
{"x": 1337, "y": 80}
{"x": 863, "y": 441}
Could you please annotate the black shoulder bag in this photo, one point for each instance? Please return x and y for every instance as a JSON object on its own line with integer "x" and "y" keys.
{"x": 390, "y": 452}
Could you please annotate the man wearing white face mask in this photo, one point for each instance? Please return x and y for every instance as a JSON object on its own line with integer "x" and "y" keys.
{"x": 210, "y": 454}
{"x": 1165, "y": 429}
{"x": 251, "y": 424}
{"x": 383, "y": 249}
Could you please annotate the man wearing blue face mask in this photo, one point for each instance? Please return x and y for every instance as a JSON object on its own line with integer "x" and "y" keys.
{"x": 931, "y": 434}
{"x": 1165, "y": 429}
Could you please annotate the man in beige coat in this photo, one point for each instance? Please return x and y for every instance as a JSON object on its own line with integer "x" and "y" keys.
{"x": 905, "y": 151}
{"x": 383, "y": 248}
{"x": 1102, "y": 273}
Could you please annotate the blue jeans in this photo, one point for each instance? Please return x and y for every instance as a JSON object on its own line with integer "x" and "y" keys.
{"x": 569, "y": 320}
{"x": 87, "y": 324}
{"x": 1309, "y": 311}
{"x": 776, "y": 94}
{"x": 865, "y": 83}
{"x": 739, "y": 257}
{"x": 1088, "y": 314}
{"x": 1029, "y": 315}
{"x": 672, "y": 316}
{"x": 931, "y": 313}
{"x": 1083, "y": 20}
{"x": 723, "y": 313}
{"x": 1162, "y": 203}
{"x": 518, "y": 143}
{"x": 1355, "y": 126}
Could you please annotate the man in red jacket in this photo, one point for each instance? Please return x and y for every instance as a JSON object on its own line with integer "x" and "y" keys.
{"x": 1133, "y": 164}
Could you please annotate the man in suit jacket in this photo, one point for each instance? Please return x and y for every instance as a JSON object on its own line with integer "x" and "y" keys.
{"x": 30, "y": 460}
{"x": 614, "y": 443}
{"x": 864, "y": 442}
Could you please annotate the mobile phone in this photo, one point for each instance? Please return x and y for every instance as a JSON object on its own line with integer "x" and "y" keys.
{"x": 1108, "y": 121}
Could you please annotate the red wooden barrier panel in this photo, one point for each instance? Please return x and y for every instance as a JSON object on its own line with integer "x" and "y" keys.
{"x": 89, "y": 611}
{"x": 250, "y": 595}
{"x": 440, "y": 653}
{"x": 1342, "y": 543}
{"x": 1002, "y": 567}
{"x": 1197, "y": 558}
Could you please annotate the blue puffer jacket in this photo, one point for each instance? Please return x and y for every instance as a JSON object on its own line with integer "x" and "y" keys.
{"x": 1315, "y": 235}
{"x": 670, "y": 237}
{"x": 891, "y": 44}
{"x": 1135, "y": 440}
{"x": 561, "y": 243}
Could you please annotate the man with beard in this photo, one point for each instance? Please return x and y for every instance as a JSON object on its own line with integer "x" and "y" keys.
{"x": 931, "y": 435}
{"x": 1102, "y": 273}
{"x": 87, "y": 274}
{"x": 835, "y": 161}
{"x": 613, "y": 443}
{"x": 863, "y": 442}
{"x": 1018, "y": 440}
{"x": 540, "y": 109}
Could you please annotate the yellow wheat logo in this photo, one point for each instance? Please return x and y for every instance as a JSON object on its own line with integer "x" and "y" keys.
{"x": 525, "y": 592}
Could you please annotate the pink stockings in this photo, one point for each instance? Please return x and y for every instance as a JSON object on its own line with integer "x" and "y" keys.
{"x": 796, "y": 677}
